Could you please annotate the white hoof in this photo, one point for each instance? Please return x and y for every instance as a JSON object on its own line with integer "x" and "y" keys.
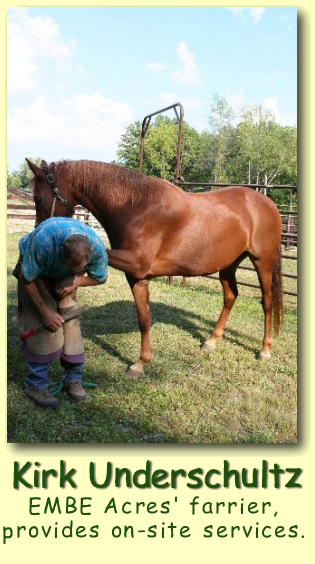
{"x": 264, "y": 355}
{"x": 208, "y": 346}
{"x": 134, "y": 372}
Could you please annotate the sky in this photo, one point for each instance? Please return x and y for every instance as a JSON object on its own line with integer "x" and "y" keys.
{"x": 77, "y": 77}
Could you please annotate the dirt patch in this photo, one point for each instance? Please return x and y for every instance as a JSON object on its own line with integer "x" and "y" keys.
{"x": 20, "y": 225}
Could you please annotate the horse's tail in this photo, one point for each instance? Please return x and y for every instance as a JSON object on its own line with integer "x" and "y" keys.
{"x": 277, "y": 293}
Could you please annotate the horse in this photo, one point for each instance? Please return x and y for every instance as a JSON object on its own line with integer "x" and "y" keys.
{"x": 157, "y": 229}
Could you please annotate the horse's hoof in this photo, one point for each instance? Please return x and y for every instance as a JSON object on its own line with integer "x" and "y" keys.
{"x": 133, "y": 374}
{"x": 207, "y": 347}
{"x": 264, "y": 355}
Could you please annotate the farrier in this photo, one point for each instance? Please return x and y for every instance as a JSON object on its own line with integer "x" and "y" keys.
{"x": 59, "y": 256}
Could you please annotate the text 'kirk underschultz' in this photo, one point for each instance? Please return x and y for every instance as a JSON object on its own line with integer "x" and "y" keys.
{"x": 102, "y": 476}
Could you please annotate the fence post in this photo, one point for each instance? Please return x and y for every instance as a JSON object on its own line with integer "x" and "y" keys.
{"x": 265, "y": 189}
{"x": 287, "y": 244}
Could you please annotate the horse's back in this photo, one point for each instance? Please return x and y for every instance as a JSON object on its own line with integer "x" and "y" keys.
{"x": 239, "y": 213}
{"x": 244, "y": 202}
{"x": 232, "y": 194}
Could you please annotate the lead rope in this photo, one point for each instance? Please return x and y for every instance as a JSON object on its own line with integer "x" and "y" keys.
{"x": 53, "y": 205}
{"x": 56, "y": 387}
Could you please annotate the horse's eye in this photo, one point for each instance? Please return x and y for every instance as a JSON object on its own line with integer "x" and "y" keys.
{"x": 37, "y": 199}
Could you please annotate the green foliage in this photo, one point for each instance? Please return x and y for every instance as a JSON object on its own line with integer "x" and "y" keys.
{"x": 256, "y": 150}
{"x": 160, "y": 149}
{"x": 223, "y": 135}
{"x": 20, "y": 178}
{"x": 269, "y": 147}
{"x": 129, "y": 146}
{"x": 249, "y": 148}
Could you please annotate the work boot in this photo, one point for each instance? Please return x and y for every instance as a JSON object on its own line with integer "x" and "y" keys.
{"x": 41, "y": 396}
{"x": 75, "y": 391}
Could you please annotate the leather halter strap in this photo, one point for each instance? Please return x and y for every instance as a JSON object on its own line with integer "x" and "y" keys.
{"x": 55, "y": 191}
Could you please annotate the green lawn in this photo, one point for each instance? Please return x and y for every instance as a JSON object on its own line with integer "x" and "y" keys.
{"x": 185, "y": 396}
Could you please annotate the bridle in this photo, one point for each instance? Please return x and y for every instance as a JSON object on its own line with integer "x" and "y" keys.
{"x": 55, "y": 191}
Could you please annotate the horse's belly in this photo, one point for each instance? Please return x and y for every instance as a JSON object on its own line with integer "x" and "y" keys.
{"x": 196, "y": 263}
{"x": 201, "y": 246}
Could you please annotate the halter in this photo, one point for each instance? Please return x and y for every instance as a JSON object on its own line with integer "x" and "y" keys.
{"x": 55, "y": 191}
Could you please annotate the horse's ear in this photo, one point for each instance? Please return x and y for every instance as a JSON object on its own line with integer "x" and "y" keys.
{"x": 35, "y": 169}
{"x": 43, "y": 164}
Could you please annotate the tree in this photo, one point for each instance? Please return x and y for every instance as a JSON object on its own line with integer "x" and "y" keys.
{"x": 20, "y": 178}
{"x": 248, "y": 148}
{"x": 270, "y": 148}
{"x": 222, "y": 134}
{"x": 160, "y": 149}
{"x": 129, "y": 146}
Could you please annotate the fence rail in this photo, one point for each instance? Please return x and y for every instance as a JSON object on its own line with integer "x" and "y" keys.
{"x": 287, "y": 292}
{"x": 79, "y": 212}
{"x": 206, "y": 185}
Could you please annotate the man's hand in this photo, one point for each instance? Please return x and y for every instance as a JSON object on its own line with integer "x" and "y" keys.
{"x": 63, "y": 291}
{"x": 79, "y": 282}
{"x": 52, "y": 320}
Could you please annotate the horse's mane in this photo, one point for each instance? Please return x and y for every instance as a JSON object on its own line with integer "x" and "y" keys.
{"x": 93, "y": 177}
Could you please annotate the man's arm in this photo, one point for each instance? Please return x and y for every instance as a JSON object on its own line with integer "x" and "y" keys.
{"x": 82, "y": 281}
{"x": 79, "y": 282}
{"x": 51, "y": 319}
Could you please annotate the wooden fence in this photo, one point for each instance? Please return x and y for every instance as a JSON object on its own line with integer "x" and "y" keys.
{"x": 15, "y": 211}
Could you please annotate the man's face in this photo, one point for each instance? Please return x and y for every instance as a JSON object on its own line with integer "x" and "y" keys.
{"x": 77, "y": 269}
{"x": 76, "y": 265}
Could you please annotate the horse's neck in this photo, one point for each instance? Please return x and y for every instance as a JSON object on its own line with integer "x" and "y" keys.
{"x": 115, "y": 196}
{"x": 105, "y": 199}
{"x": 111, "y": 190}
{"x": 97, "y": 188}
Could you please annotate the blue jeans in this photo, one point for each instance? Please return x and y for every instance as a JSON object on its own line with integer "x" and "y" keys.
{"x": 38, "y": 373}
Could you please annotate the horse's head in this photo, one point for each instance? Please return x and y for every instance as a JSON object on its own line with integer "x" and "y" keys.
{"x": 51, "y": 199}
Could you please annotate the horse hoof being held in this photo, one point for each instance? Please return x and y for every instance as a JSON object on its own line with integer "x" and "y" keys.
{"x": 157, "y": 229}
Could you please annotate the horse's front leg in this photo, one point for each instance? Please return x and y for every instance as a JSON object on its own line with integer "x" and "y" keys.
{"x": 140, "y": 290}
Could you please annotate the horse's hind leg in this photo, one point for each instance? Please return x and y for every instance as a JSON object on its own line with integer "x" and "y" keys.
{"x": 140, "y": 290}
{"x": 230, "y": 293}
{"x": 264, "y": 271}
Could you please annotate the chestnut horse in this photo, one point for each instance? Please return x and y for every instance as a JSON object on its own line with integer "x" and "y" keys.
{"x": 157, "y": 229}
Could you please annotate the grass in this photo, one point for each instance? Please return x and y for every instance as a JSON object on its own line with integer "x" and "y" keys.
{"x": 185, "y": 396}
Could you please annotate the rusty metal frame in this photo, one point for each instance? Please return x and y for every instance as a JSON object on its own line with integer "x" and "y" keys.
{"x": 180, "y": 119}
{"x": 206, "y": 185}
